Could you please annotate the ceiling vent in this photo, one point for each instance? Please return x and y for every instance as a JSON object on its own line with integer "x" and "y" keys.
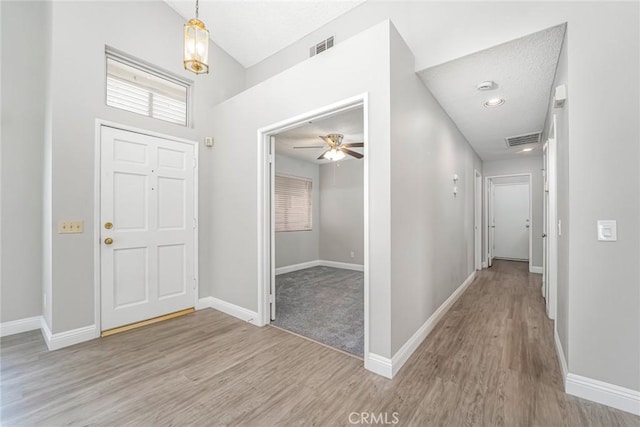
{"x": 321, "y": 47}
{"x": 517, "y": 141}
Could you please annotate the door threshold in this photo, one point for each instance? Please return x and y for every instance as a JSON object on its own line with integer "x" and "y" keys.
{"x": 142, "y": 323}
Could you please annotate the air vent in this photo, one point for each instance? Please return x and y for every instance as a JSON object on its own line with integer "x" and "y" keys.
{"x": 516, "y": 141}
{"x": 321, "y": 47}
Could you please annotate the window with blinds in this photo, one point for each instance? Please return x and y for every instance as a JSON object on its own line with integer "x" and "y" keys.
{"x": 138, "y": 88}
{"x": 293, "y": 203}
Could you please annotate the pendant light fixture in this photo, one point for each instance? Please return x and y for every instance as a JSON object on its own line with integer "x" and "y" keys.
{"x": 196, "y": 45}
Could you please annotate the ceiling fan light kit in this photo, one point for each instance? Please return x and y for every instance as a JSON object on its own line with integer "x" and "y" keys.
{"x": 335, "y": 149}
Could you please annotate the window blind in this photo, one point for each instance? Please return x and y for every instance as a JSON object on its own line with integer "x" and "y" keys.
{"x": 141, "y": 92}
{"x": 293, "y": 203}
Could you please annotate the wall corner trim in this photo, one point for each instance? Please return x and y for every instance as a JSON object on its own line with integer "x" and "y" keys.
{"x": 607, "y": 394}
{"x": 536, "y": 269}
{"x": 230, "y": 309}
{"x": 409, "y": 347}
{"x": 379, "y": 365}
{"x": 597, "y": 391}
{"x": 561, "y": 359}
{"x": 21, "y": 325}
{"x": 67, "y": 338}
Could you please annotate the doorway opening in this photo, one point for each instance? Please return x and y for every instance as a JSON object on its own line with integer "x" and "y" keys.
{"x": 314, "y": 226}
{"x": 508, "y": 217}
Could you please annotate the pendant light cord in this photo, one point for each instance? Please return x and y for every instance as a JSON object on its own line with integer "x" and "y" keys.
{"x": 197, "y": 8}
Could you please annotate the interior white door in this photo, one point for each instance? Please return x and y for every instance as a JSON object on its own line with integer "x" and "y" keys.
{"x": 147, "y": 222}
{"x": 545, "y": 226}
{"x": 511, "y": 221}
{"x": 272, "y": 213}
{"x": 491, "y": 223}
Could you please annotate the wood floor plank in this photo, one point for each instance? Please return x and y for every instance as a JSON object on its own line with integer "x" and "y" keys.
{"x": 489, "y": 362}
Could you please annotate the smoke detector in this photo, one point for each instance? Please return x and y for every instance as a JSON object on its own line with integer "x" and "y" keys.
{"x": 486, "y": 85}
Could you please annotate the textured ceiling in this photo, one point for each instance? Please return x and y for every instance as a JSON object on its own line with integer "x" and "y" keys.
{"x": 252, "y": 30}
{"x": 523, "y": 69}
{"x": 349, "y": 123}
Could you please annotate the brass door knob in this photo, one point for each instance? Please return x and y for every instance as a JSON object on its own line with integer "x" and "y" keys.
{"x": 108, "y": 241}
{"x": 108, "y": 225}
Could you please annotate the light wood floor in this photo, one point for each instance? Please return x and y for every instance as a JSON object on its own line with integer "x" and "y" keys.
{"x": 490, "y": 362}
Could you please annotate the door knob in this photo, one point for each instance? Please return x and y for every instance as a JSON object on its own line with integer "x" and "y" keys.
{"x": 544, "y": 235}
{"x": 108, "y": 241}
{"x": 108, "y": 225}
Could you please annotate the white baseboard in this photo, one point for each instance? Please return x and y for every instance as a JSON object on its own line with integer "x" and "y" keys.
{"x": 230, "y": 309}
{"x": 296, "y": 267}
{"x": 20, "y": 325}
{"x": 535, "y": 269}
{"x": 67, "y": 338}
{"x": 344, "y": 265}
{"x": 607, "y": 394}
{"x": 402, "y": 355}
{"x": 379, "y": 365}
{"x": 324, "y": 263}
{"x": 561, "y": 359}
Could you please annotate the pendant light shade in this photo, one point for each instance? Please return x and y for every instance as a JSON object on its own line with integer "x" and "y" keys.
{"x": 196, "y": 46}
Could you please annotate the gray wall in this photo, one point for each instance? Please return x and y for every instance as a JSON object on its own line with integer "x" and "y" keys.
{"x": 23, "y": 116}
{"x": 309, "y": 85}
{"x": 432, "y": 230}
{"x": 295, "y": 247}
{"x": 342, "y": 211}
{"x": 604, "y": 183}
{"x": 72, "y": 97}
{"x": 527, "y": 164}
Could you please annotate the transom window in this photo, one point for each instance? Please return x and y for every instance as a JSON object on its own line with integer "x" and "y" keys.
{"x": 142, "y": 89}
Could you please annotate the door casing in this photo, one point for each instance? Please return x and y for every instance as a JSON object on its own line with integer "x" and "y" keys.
{"x": 96, "y": 213}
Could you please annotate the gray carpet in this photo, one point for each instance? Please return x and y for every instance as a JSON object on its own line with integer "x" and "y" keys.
{"x": 325, "y": 304}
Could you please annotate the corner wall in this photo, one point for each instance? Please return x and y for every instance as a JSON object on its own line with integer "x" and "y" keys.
{"x": 23, "y": 121}
{"x": 432, "y": 231}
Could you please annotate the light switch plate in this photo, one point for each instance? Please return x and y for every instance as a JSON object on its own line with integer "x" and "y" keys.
{"x": 70, "y": 227}
{"x": 607, "y": 231}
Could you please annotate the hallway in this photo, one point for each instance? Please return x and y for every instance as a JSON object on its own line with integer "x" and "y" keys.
{"x": 491, "y": 361}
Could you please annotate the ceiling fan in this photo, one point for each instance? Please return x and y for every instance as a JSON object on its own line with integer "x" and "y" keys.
{"x": 336, "y": 150}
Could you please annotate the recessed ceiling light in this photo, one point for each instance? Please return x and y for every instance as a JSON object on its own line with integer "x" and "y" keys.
{"x": 494, "y": 102}
{"x": 526, "y": 150}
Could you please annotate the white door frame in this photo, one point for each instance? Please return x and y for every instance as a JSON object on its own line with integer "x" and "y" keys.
{"x": 488, "y": 181}
{"x": 551, "y": 241}
{"x": 266, "y": 228}
{"x": 477, "y": 219}
{"x": 96, "y": 212}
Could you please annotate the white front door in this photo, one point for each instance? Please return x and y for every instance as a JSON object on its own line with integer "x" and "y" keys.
{"x": 511, "y": 221}
{"x": 147, "y": 223}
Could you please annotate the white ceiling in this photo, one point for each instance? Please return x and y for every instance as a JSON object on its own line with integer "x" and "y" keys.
{"x": 523, "y": 69}
{"x": 349, "y": 123}
{"x": 252, "y": 30}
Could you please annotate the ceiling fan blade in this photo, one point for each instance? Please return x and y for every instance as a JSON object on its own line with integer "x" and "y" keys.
{"x": 352, "y": 153}
{"x": 313, "y": 146}
{"x": 322, "y": 155}
{"x": 353, "y": 144}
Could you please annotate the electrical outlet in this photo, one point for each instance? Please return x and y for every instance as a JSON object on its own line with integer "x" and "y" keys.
{"x": 353, "y": 254}
{"x": 70, "y": 227}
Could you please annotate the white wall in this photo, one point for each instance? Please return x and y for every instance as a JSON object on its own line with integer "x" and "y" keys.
{"x": 309, "y": 85}
{"x": 342, "y": 211}
{"x": 432, "y": 230}
{"x": 71, "y": 97}
{"x": 296, "y": 247}
{"x": 23, "y": 117}
{"x": 527, "y": 164}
